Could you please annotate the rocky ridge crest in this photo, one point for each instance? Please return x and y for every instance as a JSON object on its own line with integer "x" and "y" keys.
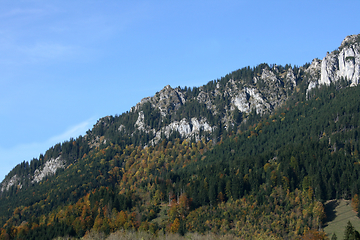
{"x": 266, "y": 90}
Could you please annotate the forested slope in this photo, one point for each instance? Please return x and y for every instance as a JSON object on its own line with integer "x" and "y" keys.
{"x": 282, "y": 167}
{"x": 254, "y": 154}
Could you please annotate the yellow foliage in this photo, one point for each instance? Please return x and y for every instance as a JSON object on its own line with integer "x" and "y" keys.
{"x": 174, "y": 228}
{"x": 355, "y": 202}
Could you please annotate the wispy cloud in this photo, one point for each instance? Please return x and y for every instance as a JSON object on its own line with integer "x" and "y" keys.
{"x": 21, "y": 12}
{"x": 54, "y": 33}
{"x": 27, "y": 36}
{"x": 74, "y": 131}
{"x": 10, "y": 157}
{"x": 46, "y": 51}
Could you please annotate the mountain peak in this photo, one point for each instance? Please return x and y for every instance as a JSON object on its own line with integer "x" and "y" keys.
{"x": 349, "y": 40}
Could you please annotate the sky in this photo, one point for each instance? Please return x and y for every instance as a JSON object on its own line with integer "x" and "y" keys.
{"x": 65, "y": 64}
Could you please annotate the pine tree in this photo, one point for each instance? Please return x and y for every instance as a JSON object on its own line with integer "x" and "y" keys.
{"x": 350, "y": 232}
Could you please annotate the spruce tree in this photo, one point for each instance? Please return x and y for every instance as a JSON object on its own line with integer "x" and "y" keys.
{"x": 350, "y": 232}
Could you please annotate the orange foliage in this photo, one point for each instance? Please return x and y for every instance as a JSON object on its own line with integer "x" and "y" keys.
{"x": 314, "y": 235}
{"x": 355, "y": 202}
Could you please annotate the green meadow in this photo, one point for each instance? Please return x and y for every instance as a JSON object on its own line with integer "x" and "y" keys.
{"x": 338, "y": 213}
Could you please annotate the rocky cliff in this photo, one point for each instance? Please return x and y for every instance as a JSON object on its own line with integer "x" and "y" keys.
{"x": 341, "y": 64}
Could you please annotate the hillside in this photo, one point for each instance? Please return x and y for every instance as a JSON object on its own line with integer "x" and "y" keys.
{"x": 253, "y": 154}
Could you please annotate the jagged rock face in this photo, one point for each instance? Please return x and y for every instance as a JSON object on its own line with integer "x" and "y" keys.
{"x": 349, "y": 63}
{"x": 290, "y": 78}
{"x": 167, "y": 100}
{"x": 50, "y": 168}
{"x": 328, "y": 69}
{"x": 314, "y": 73}
{"x": 339, "y": 64}
{"x": 250, "y": 99}
{"x": 205, "y": 98}
{"x": 269, "y": 96}
{"x": 140, "y": 123}
{"x": 121, "y": 128}
{"x": 185, "y": 128}
{"x": 273, "y": 93}
{"x": 14, "y": 180}
{"x": 314, "y": 70}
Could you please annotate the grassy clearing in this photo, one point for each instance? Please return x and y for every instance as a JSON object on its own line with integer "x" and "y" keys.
{"x": 338, "y": 213}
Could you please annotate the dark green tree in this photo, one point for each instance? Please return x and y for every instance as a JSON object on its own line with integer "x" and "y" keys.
{"x": 334, "y": 237}
{"x": 350, "y": 232}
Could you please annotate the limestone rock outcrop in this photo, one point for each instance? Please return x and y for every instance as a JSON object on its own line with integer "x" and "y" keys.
{"x": 185, "y": 128}
{"x": 341, "y": 64}
{"x": 7, "y": 183}
{"x": 167, "y": 100}
{"x": 50, "y": 167}
{"x": 47, "y": 169}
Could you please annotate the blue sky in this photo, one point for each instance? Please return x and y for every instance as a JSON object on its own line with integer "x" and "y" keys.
{"x": 65, "y": 64}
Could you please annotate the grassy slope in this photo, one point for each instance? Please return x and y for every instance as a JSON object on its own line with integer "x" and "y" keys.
{"x": 338, "y": 213}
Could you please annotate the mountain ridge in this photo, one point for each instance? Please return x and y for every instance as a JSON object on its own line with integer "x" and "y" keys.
{"x": 262, "y": 91}
{"x": 237, "y": 155}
